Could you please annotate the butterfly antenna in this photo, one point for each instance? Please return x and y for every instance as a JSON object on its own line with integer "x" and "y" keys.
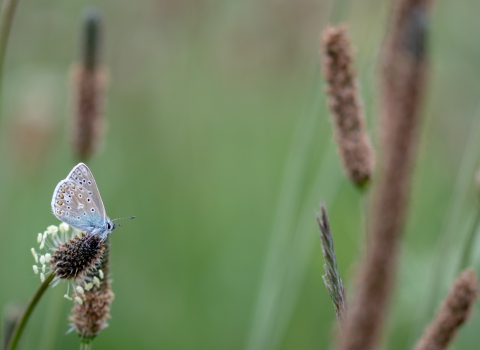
{"x": 129, "y": 218}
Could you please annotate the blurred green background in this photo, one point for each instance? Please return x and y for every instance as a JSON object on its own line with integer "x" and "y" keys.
{"x": 219, "y": 142}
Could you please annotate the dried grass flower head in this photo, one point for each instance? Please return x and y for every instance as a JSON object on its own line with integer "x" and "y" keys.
{"x": 332, "y": 279}
{"x": 69, "y": 255}
{"x": 89, "y": 84}
{"x": 90, "y": 317}
{"x": 345, "y": 105}
{"x": 454, "y": 311}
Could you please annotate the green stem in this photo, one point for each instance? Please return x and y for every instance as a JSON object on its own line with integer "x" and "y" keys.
{"x": 364, "y": 200}
{"x": 466, "y": 253}
{"x": 85, "y": 345}
{"x": 6, "y": 19}
{"x": 304, "y": 243}
{"x": 455, "y": 212}
{"x": 51, "y": 324}
{"x": 17, "y": 333}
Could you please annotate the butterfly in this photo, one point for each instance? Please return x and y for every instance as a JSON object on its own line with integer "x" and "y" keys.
{"x": 77, "y": 202}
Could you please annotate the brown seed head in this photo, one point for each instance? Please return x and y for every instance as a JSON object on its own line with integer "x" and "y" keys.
{"x": 403, "y": 77}
{"x": 345, "y": 105}
{"x": 88, "y": 127}
{"x": 453, "y": 312}
{"x": 77, "y": 256}
{"x": 90, "y": 317}
{"x": 89, "y": 83}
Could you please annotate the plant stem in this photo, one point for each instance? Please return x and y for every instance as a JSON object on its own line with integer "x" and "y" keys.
{"x": 17, "y": 333}
{"x": 290, "y": 200}
{"x": 85, "y": 345}
{"x": 6, "y": 19}
{"x": 455, "y": 215}
{"x": 51, "y": 324}
{"x": 466, "y": 253}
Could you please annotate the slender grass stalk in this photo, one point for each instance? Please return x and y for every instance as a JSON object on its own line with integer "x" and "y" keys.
{"x": 466, "y": 252}
{"x": 288, "y": 204}
{"x": 86, "y": 345}
{"x": 52, "y": 320}
{"x": 455, "y": 215}
{"x": 304, "y": 242}
{"x": 17, "y": 333}
{"x": 6, "y": 19}
{"x": 11, "y": 316}
{"x": 337, "y": 10}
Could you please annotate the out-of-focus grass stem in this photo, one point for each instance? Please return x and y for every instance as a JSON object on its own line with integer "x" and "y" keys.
{"x": 466, "y": 252}
{"x": 51, "y": 324}
{"x": 455, "y": 211}
{"x": 304, "y": 243}
{"x": 17, "y": 333}
{"x": 6, "y": 19}
{"x": 85, "y": 345}
{"x": 284, "y": 223}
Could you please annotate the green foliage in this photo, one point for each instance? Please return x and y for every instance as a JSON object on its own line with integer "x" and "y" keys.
{"x": 204, "y": 101}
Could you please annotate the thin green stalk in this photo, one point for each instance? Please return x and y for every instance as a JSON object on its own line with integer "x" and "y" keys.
{"x": 363, "y": 204}
{"x": 337, "y": 10}
{"x": 6, "y": 19}
{"x": 466, "y": 253}
{"x": 17, "y": 333}
{"x": 286, "y": 213}
{"x": 463, "y": 187}
{"x": 85, "y": 345}
{"x": 304, "y": 243}
{"x": 51, "y": 324}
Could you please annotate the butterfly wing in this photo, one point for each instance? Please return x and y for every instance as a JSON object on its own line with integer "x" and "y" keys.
{"x": 82, "y": 175}
{"x": 76, "y": 201}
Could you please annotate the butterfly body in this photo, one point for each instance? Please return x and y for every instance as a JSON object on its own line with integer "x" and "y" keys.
{"x": 76, "y": 201}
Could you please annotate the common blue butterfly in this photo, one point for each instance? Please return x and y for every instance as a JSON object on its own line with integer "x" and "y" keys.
{"x": 76, "y": 201}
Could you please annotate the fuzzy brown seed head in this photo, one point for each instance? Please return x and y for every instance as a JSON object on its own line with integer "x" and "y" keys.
{"x": 90, "y": 317}
{"x": 345, "y": 105}
{"x": 76, "y": 257}
{"x": 87, "y": 123}
{"x": 89, "y": 82}
{"x": 404, "y": 63}
{"x": 453, "y": 312}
